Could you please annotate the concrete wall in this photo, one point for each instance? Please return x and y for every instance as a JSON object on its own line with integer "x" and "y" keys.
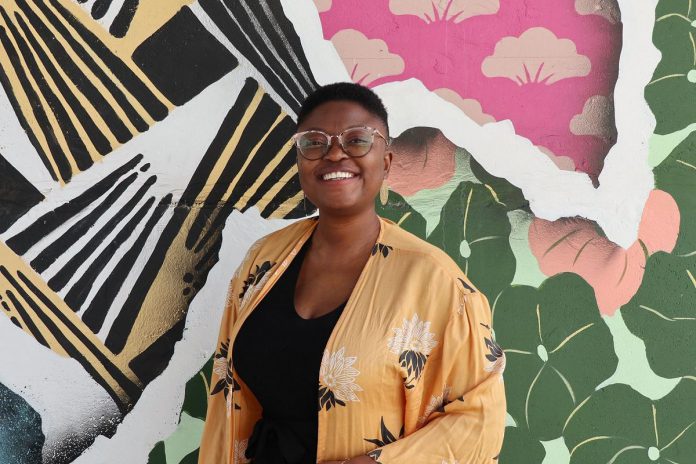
{"x": 548, "y": 147}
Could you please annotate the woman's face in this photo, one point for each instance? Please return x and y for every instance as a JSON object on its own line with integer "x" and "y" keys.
{"x": 356, "y": 194}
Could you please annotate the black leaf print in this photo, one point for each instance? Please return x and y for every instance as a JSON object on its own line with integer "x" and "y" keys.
{"x": 467, "y": 286}
{"x": 256, "y": 276}
{"x": 386, "y": 436}
{"x": 223, "y": 385}
{"x": 381, "y": 248}
{"x": 375, "y": 454}
{"x": 413, "y": 362}
{"x": 327, "y": 399}
{"x": 495, "y": 351}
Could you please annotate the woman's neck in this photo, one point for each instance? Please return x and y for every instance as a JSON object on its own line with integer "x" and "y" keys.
{"x": 346, "y": 234}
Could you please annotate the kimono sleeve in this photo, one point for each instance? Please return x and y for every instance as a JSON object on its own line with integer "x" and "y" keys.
{"x": 217, "y": 432}
{"x": 460, "y": 399}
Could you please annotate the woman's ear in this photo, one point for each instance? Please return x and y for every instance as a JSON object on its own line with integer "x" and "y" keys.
{"x": 387, "y": 162}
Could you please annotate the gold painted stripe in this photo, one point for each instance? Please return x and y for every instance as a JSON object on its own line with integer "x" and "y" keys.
{"x": 267, "y": 171}
{"x": 287, "y": 206}
{"x": 44, "y": 104}
{"x": 82, "y": 133}
{"x": 86, "y": 103}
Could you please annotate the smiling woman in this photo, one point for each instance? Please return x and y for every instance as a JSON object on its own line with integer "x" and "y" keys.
{"x": 397, "y": 338}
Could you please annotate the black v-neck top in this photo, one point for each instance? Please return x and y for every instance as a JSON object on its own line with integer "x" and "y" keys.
{"x": 277, "y": 354}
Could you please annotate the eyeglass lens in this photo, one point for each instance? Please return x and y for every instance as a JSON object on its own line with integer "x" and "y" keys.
{"x": 355, "y": 142}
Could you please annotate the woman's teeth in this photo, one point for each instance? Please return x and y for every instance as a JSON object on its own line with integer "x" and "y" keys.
{"x": 338, "y": 175}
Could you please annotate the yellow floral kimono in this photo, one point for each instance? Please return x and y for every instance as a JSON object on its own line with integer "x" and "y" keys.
{"x": 410, "y": 374}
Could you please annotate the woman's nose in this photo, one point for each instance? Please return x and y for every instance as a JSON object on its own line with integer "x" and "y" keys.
{"x": 335, "y": 152}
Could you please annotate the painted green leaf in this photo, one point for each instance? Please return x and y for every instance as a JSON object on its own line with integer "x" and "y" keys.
{"x": 676, "y": 175}
{"x": 191, "y": 458}
{"x": 157, "y": 455}
{"x": 474, "y": 231}
{"x": 196, "y": 395}
{"x": 663, "y": 314}
{"x": 519, "y": 447}
{"x": 558, "y": 350}
{"x": 621, "y": 426}
{"x": 510, "y": 196}
{"x": 672, "y": 85}
{"x": 398, "y": 210}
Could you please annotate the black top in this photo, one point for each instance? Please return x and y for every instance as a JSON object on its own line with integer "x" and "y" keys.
{"x": 277, "y": 354}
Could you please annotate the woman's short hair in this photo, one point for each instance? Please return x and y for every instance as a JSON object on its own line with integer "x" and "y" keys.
{"x": 344, "y": 91}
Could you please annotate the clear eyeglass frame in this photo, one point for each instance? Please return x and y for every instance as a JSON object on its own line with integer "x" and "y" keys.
{"x": 348, "y": 150}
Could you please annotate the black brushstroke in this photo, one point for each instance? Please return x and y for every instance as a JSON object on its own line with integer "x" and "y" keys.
{"x": 61, "y": 278}
{"x": 119, "y": 27}
{"x": 50, "y": 221}
{"x": 83, "y": 83}
{"x": 95, "y": 314}
{"x": 57, "y": 153}
{"x": 18, "y": 195}
{"x": 149, "y": 364}
{"x": 182, "y": 58}
{"x": 285, "y": 193}
{"x": 36, "y": 333}
{"x": 289, "y": 159}
{"x": 53, "y": 251}
{"x": 100, "y": 8}
{"x": 22, "y": 438}
{"x": 93, "y": 132}
{"x": 78, "y": 150}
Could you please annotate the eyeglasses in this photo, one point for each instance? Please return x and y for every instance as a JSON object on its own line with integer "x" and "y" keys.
{"x": 354, "y": 141}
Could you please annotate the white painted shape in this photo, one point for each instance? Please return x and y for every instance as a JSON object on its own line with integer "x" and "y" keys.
{"x": 324, "y": 61}
{"x": 156, "y": 414}
{"x": 58, "y": 388}
{"x": 626, "y": 180}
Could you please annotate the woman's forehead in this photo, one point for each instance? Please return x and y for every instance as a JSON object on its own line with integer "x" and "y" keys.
{"x": 338, "y": 115}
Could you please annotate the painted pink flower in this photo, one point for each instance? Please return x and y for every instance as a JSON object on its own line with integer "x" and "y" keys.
{"x": 615, "y": 273}
{"x": 366, "y": 59}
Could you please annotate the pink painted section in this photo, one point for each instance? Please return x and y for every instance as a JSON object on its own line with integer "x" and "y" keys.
{"x": 446, "y": 54}
{"x": 615, "y": 273}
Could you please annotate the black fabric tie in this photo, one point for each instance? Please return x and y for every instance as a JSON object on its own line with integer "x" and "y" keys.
{"x": 273, "y": 442}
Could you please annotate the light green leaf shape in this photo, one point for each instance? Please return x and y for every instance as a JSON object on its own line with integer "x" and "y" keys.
{"x": 473, "y": 214}
{"x": 558, "y": 350}
{"x": 618, "y": 425}
{"x": 677, "y": 176}
{"x": 519, "y": 447}
{"x": 671, "y": 86}
{"x": 663, "y": 314}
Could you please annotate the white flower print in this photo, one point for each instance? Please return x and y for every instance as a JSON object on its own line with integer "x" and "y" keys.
{"x": 337, "y": 379}
{"x": 255, "y": 281}
{"x": 437, "y": 403}
{"x": 240, "y": 447}
{"x": 413, "y": 342}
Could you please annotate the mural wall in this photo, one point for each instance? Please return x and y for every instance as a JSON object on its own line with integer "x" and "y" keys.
{"x": 548, "y": 147}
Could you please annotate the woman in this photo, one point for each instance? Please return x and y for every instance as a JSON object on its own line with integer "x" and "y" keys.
{"x": 397, "y": 337}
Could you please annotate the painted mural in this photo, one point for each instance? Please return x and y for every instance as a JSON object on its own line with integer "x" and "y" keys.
{"x": 548, "y": 147}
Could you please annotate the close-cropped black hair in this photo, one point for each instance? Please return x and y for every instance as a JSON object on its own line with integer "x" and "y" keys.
{"x": 347, "y": 91}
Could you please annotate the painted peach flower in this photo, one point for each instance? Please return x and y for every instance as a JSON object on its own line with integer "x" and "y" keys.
{"x": 469, "y": 106}
{"x": 615, "y": 273}
{"x": 609, "y": 9}
{"x": 537, "y": 56}
{"x": 444, "y": 10}
{"x": 366, "y": 59}
{"x": 322, "y": 5}
{"x": 597, "y": 119}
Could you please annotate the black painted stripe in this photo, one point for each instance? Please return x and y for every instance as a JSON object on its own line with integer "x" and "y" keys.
{"x": 69, "y": 348}
{"x": 57, "y": 153}
{"x": 83, "y": 83}
{"x": 23, "y": 241}
{"x": 95, "y": 314}
{"x": 36, "y": 333}
{"x": 93, "y": 132}
{"x": 87, "y": 59}
{"x": 287, "y": 191}
{"x": 119, "y": 27}
{"x": 285, "y": 165}
{"x": 302, "y": 209}
{"x": 235, "y": 34}
{"x": 123, "y": 324}
{"x": 259, "y": 123}
{"x": 78, "y": 150}
{"x": 65, "y": 274}
{"x": 53, "y": 251}
{"x": 268, "y": 149}
{"x": 99, "y": 8}
{"x": 155, "y": 108}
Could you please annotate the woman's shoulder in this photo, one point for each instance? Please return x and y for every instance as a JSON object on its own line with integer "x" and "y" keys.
{"x": 413, "y": 252}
